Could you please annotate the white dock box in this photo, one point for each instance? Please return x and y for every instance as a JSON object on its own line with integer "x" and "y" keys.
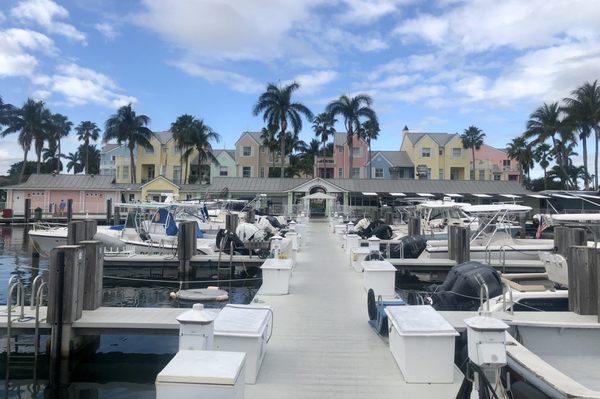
{"x": 422, "y": 343}
{"x": 357, "y": 256}
{"x": 276, "y": 276}
{"x": 380, "y": 276}
{"x": 245, "y": 328}
{"x": 202, "y": 374}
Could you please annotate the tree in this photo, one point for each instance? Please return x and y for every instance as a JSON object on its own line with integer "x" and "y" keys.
{"x": 31, "y": 122}
{"x": 201, "y": 136}
{"x": 87, "y": 131}
{"x": 308, "y": 152}
{"x": 369, "y": 131}
{"x": 323, "y": 127}
{"x": 584, "y": 108}
{"x": 352, "y": 109}
{"x": 472, "y": 138}
{"x": 51, "y": 157}
{"x": 74, "y": 162}
{"x": 127, "y": 127}
{"x": 182, "y": 133}
{"x": 543, "y": 156}
{"x": 278, "y": 109}
{"x": 92, "y": 163}
{"x": 520, "y": 150}
{"x": 269, "y": 140}
{"x": 60, "y": 127}
{"x": 7, "y": 113}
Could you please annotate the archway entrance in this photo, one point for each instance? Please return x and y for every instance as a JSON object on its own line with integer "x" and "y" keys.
{"x": 317, "y": 206}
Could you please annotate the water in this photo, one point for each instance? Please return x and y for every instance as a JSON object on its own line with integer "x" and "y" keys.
{"x": 115, "y": 366}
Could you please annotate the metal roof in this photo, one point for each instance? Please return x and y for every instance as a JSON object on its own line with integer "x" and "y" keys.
{"x": 440, "y": 138}
{"x": 67, "y": 182}
{"x": 253, "y": 184}
{"x": 395, "y": 158}
{"x": 163, "y": 137}
{"x": 341, "y": 138}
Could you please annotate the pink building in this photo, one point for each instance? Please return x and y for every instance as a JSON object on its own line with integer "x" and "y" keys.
{"x": 88, "y": 192}
{"x": 338, "y": 166}
{"x": 493, "y": 164}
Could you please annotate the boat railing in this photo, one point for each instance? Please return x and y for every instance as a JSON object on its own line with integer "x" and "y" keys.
{"x": 127, "y": 250}
{"x": 484, "y": 294}
{"x": 507, "y": 290}
{"x": 43, "y": 226}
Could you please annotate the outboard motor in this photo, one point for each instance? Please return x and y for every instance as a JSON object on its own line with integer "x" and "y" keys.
{"x": 412, "y": 247}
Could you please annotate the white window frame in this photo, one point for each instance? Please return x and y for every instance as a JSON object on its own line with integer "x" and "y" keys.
{"x": 149, "y": 151}
{"x": 481, "y": 174}
{"x": 125, "y": 172}
{"x": 460, "y": 154}
{"x": 441, "y": 174}
{"x": 375, "y": 170}
{"x": 249, "y": 169}
{"x": 244, "y": 151}
{"x": 423, "y": 152}
{"x": 357, "y": 152}
{"x": 223, "y": 169}
{"x": 352, "y": 173}
{"x": 340, "y": 173}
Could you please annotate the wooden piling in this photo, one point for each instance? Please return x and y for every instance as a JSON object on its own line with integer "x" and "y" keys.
{"x": 231, "y": 221}
{"x": 414, "y": 226}
{"x": 27, "y": 209}
{"x": 65, "y": 295}
{"x": 94, "y": 272}
{"x": 251, "y": 216}
{"x": 108, "y": 211}
{"x": 566, "y": 237}
{"x": 583, "y": 281}
{"x": 69, "y": 209}
{"x": 451, "y": 244}
{"x": 117, "y": 216}
{"x": 76, "y": 232}
{"x": 462, "y": 244}
{"x": 186, "y": 247}
{"x": 389, "y": 218}
{"x": 91, "y": 226}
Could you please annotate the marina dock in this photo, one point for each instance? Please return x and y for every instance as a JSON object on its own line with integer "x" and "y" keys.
{"x": 322, "y": 345}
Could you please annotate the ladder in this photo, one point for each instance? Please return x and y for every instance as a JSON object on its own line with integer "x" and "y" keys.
{"x": 22, "y": 350}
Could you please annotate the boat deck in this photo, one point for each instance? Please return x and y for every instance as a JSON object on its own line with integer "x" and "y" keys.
{"x": 322, "y": 345}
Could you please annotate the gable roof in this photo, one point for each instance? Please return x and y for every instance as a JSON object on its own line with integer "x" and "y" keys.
{"x": 394, "y": 158}
{"x": 66, "y": 182}
{"x": 253, "y": 135}
{"x": 109, "y": 147}
{"x": 231, "y": 153}
{"x": 163, "y": 137}
{"x": 160, "y": 177}
{"x": 340, "y": 138}
{"x": 439, "y": 138}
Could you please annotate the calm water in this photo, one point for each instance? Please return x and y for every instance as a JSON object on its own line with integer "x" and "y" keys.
{"x": 115, "y": 366}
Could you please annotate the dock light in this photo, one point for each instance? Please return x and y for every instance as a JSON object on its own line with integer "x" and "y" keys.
{"x": 196, "y": 328}
{"x": 292, "y": 225}
{"x": 373, "y": 243}
{"x": 349, "y": 226}
{"x": 276, "y": 245}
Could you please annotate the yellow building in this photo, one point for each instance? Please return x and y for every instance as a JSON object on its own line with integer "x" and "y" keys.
{"x": 253, "y": 159}
{"x": 437, "y": 156}
{"x": 163, "y": 159}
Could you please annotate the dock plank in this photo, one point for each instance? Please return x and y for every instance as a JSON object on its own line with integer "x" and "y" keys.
{"x": 322, "y": 345}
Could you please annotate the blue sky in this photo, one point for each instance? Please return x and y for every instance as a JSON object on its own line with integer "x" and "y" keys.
{"x": 436, "y": 66}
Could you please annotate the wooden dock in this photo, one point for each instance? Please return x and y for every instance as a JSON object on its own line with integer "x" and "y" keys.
{"x": 322, "y": 345}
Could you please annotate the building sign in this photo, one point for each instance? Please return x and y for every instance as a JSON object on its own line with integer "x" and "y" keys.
{"x": 422, "y": 169}
{"x": 325, "y": 161}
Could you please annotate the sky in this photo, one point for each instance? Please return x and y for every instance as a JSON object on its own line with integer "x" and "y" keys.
{"x": 434, "y": 66}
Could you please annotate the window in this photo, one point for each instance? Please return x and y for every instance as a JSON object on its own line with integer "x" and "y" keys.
{"x": 441, "y": 152}
{"x": 457, "y": 153}
{"x": 131, "y": 197}
{"x": 125, "y": 172}
{"x": 378, "y": 173}
{"x": 340, "y": 173}
{"x": 356, "y": 152}
{"x": 113, "y": 158}
{"x": 497, "y": 177}
{"x": 177, "y": 174}
{"x": 355, "y": 173}
{"x": 513, "y": 177}
{"x": 506, "y": 164}
{"x": 224, "y": 171}
{"x": 149, "y": 150}
{"x": 425, "y": 152}
{"x": 482, "y": 175}
{"x": 163, "y": 170}
{"x": 246, "y": 171}
{"x": 262, "y": 171}
{"x": 246, "y": 151}
{"x": 118, "y": 171}
{"x": 340, "y": 148}
{"x": 441, "y": 174}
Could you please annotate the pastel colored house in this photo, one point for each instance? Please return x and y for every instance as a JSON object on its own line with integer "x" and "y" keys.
{"x": 88, "y": 192}
{"x": 226, "y": 166}
{"x": 253, "y": 159}
{"x": 493, "y": 164}
{"x": 338, "y": 166}
{"x": 438, "y": 156}
{"x": 111, "y": 155}
{"x": 391, "y": 165}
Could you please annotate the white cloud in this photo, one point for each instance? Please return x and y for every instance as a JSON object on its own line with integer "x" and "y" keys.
{"x": 46, "y": 13}
{"x": 234, "y": 80}
{"x": 79, "y": 86}
{"x": 107, "y": 30}
{"x": 367, "y": 11}
{"x": 314, "y": 81}
{"x": 10, "y": 153}
{"x": 16, "y": 46}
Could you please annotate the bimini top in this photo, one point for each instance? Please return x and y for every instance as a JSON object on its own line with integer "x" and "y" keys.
{"x": 567, "y": 218}
{"x": 441, "y": 204}
{"x": 494, "y": 208}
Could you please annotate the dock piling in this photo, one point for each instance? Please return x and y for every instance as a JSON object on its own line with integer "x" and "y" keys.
{"x": 117, "y": 216}
{"x": 27, "y": 210}
{"x": 583, "y": 281}
{"x": 186, "y": 248}
{"x": 69, "y": 209}
{"x": 108, "y": 211}
{"x": 94, "y": 271}
{"x": 76, "y": 231}
{"x": 461, "y": 243}
{"x": 414, "y": 226}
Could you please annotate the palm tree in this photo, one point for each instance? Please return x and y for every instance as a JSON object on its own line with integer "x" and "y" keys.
{"x": 546, "y": 123}
{"x": 520, "y": 150}
{"x": 472, "y": 138}
{"x": 543, "y": 156}
{"x": 31, "y": 121}
{"x": 584, "y": 107}
{"x": 7, "y": 112}
{"x": 369, "y": 131}
{"x": 51, "y": 157}
{"x": 60, "y": 127}
{"x": 182, "y": 132}
{"x": 323, "y": 127}
{"x": 74, "y": 162}
{"x": 87, "y": 131}
{"x": 309, "y": 152}
{"x": 352, "y": 109}
{"x": 127, "y": 127}
{"x": 269, "y": 140}
{"x": 92, "y": 163}
{"x": 279, "y": 110}
{"x": 201, "y": 136}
